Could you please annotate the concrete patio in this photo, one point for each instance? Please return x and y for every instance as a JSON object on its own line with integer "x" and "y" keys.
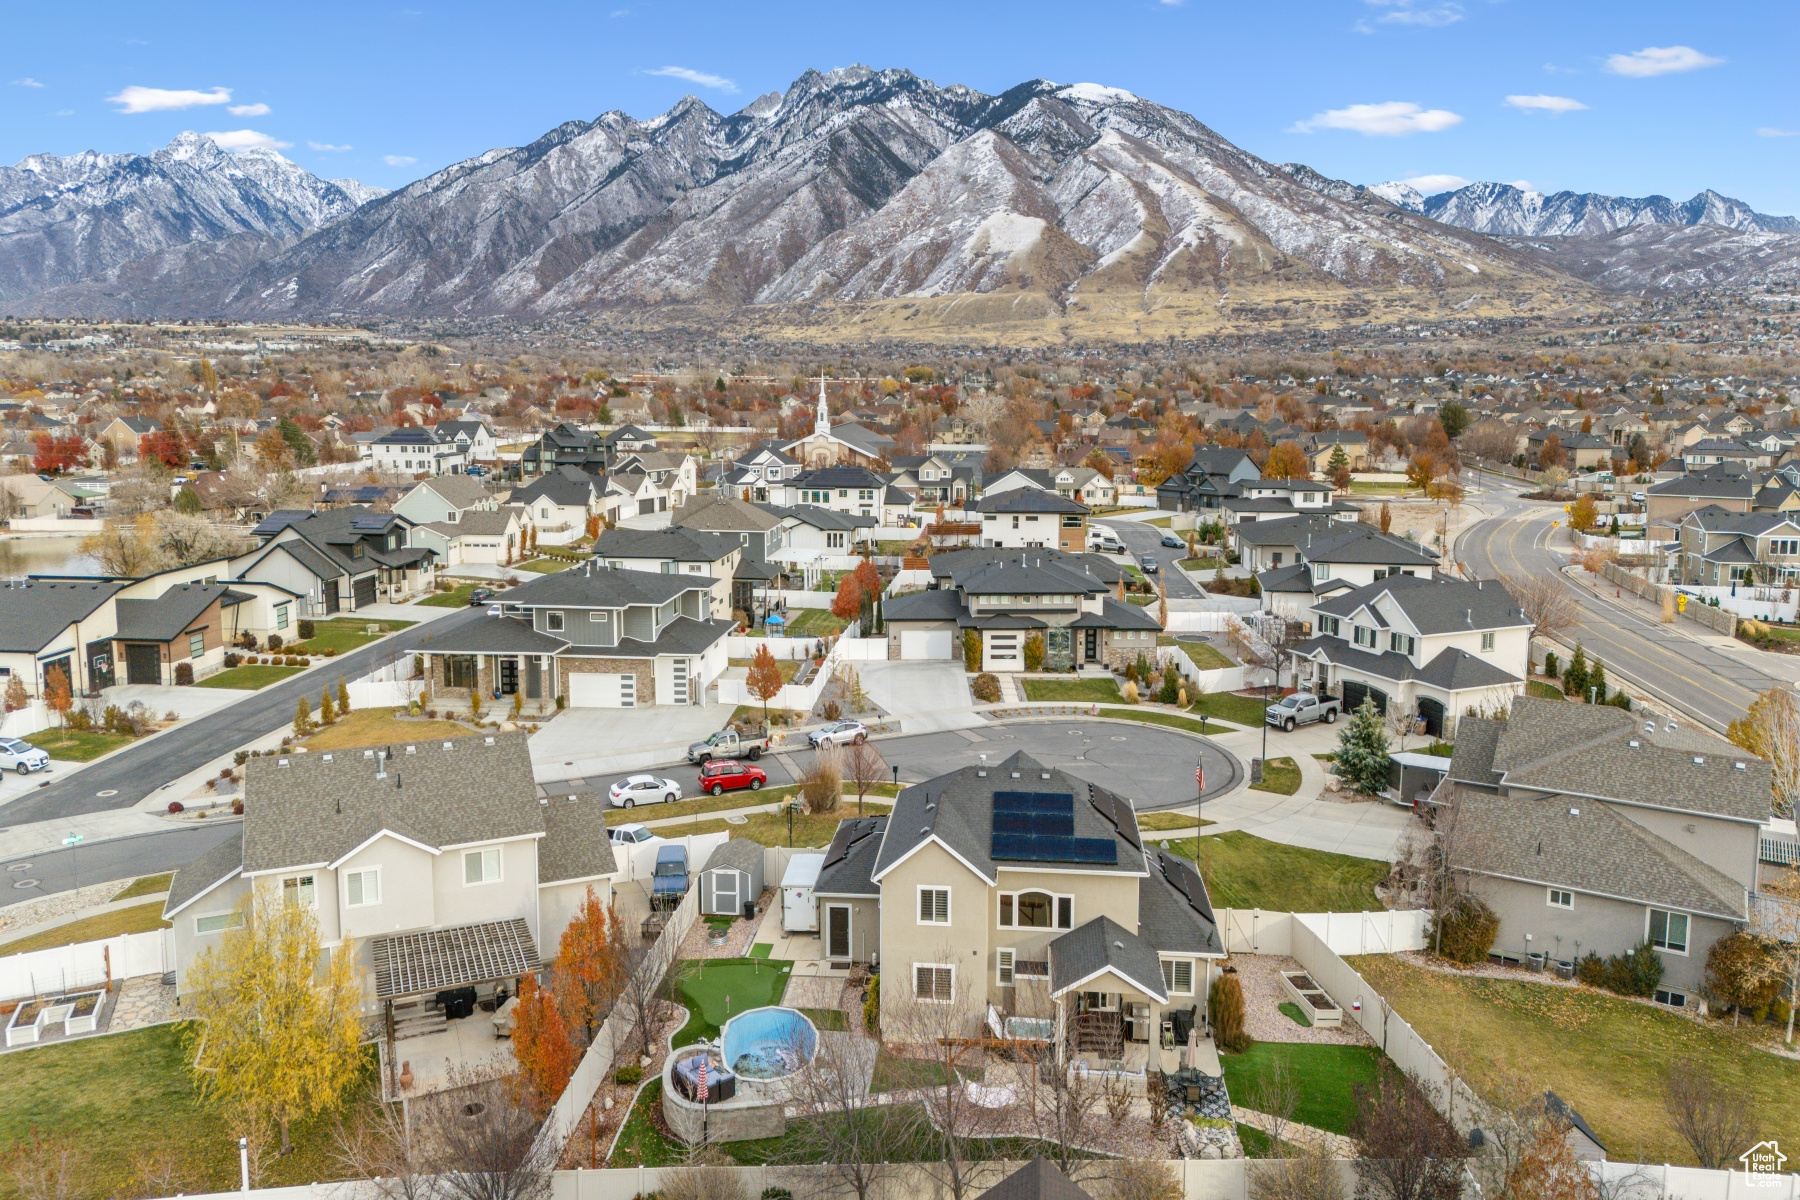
{"x": 462, "y": 1044}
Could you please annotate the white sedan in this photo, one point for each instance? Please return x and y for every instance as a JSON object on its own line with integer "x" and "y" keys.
{"x": 644, "y": 789}
{"x": 839, "y": 733}
{"x": 22, "y": 757}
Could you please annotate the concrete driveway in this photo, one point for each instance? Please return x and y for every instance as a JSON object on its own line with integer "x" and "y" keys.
{"x": 925, "y": 696}
{"x": 595, "y": 741}
{"x": 188, "y": 701}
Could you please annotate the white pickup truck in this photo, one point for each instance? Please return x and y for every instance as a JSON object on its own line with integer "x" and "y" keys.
{"x": 730, "y": 743}
{"x": 1301, "y": 708}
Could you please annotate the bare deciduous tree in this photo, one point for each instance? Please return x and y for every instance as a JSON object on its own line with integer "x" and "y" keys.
{"x": 378, "y": 1146}
{"x": 863, "y": 768}
{"x": 1547, "y": 602}
{"x": 1303, "y": 1172}
{"x": 1410, "y": 1152}
{"x": 702, "y": 1177}
{"x": 480, "y": 1137}
{"x": 1146, "y": 1179}
{"x": 1771, "y": 731}
{"x": 855, "y": 1141}
{"x": 823, "y": 783}
{"x": 1716, "y": 1124}
{"x": 47, "y": 1168}
{"x": 930, "y": 1036}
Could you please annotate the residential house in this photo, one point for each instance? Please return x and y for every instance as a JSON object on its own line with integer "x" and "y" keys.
{"x": 754, "y": 526}
{"x": 338, "y": 561}
{"x": 591, "y": 637}
{"x": 1581, "y": 451}
{"x": 477, "y": 537}
{"x": 1027, "y": 517}
{"x": 1085, "y": 484}
{"x": 1009, "y": 596}
{"x": 810, "y": 532}
{"x": 758, "y": 470}
{"x": 855, "y": 490}
{"x": 673, "y": 474}
{"x": 1211, "y": 475}
{"x": 1723, "y": 485}
{"x": 1015, "y": 889}
{"x": 436, "y": 864}
{"x": 628, "y": 439}
{"x": 446, "y": 498}
{"x": 565, "y": 445}
{"x": 420, "y": 450}
{"x": 933, "y": 480}
{"x": 1720, "y": 548}
{"x": 677, "y": 551}
{"x": 1274, "y": 499}
{"x": 559, "y": 503}
{"x": 1591, "y": 830}
{"x": 474, "y": 437}
{"x": 1322, "y": 447}
{"x": 1703, "y": 454}
{"x": 29, "y": 496}
{"x": 1436, "y": 648}
{"x": 1338, "y": 559}
{"x": 124, "y": 434}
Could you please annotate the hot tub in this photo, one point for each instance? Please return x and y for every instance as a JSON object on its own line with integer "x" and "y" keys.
{"x": 768, "y": 1043}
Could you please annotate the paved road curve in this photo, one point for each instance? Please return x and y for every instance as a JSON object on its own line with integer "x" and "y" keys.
{"x": 1142, "y": 539}
{"x": 34, "y": 875}
{"x": 1692, "y": 676}
{"x": 139, "y": 770}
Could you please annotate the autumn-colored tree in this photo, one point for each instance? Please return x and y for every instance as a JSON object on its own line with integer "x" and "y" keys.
{"x": 1287, "y": 461}
{"x": 764, "y": 678}
{"x": 1099, "y": 460}
{"x": 592, "y": 962}
{"x": 1387, "y": 517}
{"x": 327, "y": 707}
{"x": 1770, "y": 729}
{"x": 162, "y": 446}
{"x": 302, "y": 718}
{"x": 1583, "y": 513}
{"x": 272, "y": 451}
{"x": 1551, "y": 453}
{"x": 16, "y": 696}
{"x": 343, "y": 697}
{"x": 1545, "y": 1168}
{"x": 57, "y": 455}
{"x": 541, "y": 1042}
{"x": 57, "y": 695}
{"x": 848, "y": 601}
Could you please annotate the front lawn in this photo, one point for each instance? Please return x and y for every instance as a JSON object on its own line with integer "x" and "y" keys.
{"x": 456, "y": 597}
{"x": 1608, "y": 1057}
{"x": 1280, "y": 775}
{"x": 1245, "y": 871}
{"x": 76, "y": 745}
{"x": 1096, "y": 691}
{"x": 1159, "y": 716}
{"x": 1204, "y": 655}
{"x": 1229, "y": 706}
{"x": 344, "y": 634}
{"x": 249, "y": 678}
{"x": 1543, "y": 690}
{"x": 771, "y": 828}
{"x": 120, "y": 1095}
{"x": 544, "y": 566}
{"x": 1327, "y": 1076}
{"x": 139, "y": 918}
{"x": 716, "y": 989}
{"x": 1160, "y": 821}
{"x": 148, "y": 885}
{"x": 813, "y": 623}
{"x": 380, "y": 727}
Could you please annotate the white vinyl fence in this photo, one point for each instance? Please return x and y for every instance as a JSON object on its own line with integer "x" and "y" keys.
{"x": 390, "y": 686}
{"x": 1255, "y": 931}
{"x": 85, "y": 964}
{"x": 640, "y": 862}
{"x": 22, "y": 722}
{"x": 1218, "y": 679}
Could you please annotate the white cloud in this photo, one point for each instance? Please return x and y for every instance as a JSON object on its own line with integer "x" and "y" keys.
{"x": 1407, "y": 12}
{"x": 1396, "y": 118}
{"x": 1659, "y": 60}
{"x": 239, "y": 140}
{"x": 28, "y": 81}
{"x": 1771, "y": 131}
{"x": 65, "y": 112}
{"x": 136, "y": 99}
{"x": 1542, "y": 103}
{"x": 700, "y": 77}
{"x": 398, "y": 160}
{"x": 1430, "y": 185}
{"x": 327, "y": 146}
{"x": 248, "y": 110}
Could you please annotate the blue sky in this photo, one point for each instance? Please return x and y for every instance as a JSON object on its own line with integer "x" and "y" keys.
{"x": 1627, "y": 98}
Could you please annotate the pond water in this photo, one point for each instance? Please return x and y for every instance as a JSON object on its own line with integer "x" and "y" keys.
{"x": 30, "y": 555}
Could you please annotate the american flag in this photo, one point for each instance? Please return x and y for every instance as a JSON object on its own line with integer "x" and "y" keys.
{"x": 1200, "y": 775}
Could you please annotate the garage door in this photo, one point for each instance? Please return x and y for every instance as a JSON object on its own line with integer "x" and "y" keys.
{"x": 364, "y": 591}
{"x": 927, "y": 643}
{"x": 588, "y": 689}
{"x": 1356, "y": 693}
{"x": 143, "y": 663}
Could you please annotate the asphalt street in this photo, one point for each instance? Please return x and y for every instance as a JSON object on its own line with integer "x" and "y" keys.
{"x": 118, "y": 858}
{"x": 1691, "y": 676}
{"x": 1145, "y": 539}
{"x": 126, "y": 778}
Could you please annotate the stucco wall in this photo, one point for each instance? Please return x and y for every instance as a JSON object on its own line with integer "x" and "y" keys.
{"x": 962, "y": 943}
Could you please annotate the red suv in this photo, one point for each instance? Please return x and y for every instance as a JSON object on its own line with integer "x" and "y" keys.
{"x": 728, "y": 775}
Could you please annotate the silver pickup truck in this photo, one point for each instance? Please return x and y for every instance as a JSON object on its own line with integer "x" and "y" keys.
{"x": 730, "y": 743}
{"x": 1301, "y": 708}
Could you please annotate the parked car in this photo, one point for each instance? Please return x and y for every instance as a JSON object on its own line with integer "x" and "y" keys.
{"x": 1149, "y": 563}
{"x": 644, "y": 789}
{"x": 728, "y": 775}
{"x": 1173, "y": 542}
{"x": 839, "y": 733}
{"x": 477, "y": 472}
{"x": 730, "y": 743}
{"x": 480, "y": 596}
{"x": 670, "y": 881}
{"x": 629, "y": 835}
{"x": 1301, "y": 708}
{"x": 1105, "y": 541}
{"x": 22, "y": 757}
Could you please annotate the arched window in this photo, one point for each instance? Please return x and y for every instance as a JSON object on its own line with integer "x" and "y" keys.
{"x": 1035, "y": 910}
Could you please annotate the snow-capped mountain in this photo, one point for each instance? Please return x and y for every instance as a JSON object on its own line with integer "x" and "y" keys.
{"x": 1501, "y": 208}
{"x": 68, "y": 219}
{"x": 856, "y": 187}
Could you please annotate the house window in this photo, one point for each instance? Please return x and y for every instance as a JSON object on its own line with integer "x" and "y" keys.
{"x": 1004, "y": 959}
{"x": 1364, "y": 635}
{"x": 482, "y": 866}
{"x": 1328, "y": 625}
{"x": 196, "y": 645}
{"x": 1321, "y": 571}
{"x": 1672, "y": 999}
{"x": 281, "y": 616}
{"x": 1784, "y": 546}
{"x": 1561, "y": 899}
{"x": 362, "y": 888}
{"x": 1487, "y": 642}
{"x": 1036, "y": 910}
{"x": 553, "y": 621}
{"x": 218, "y": 922}
{"x": 1669, "y": 931}
{"x": 1400, "y": 643}
{"x": 459, "y": 670}
{"x": 298, "y": 889}
{"x": 934, "y": 906}
{"x": 834, "y": 541}
{"x": 934, "y": 983}
{"x": 1178, "y": 976}
{"x": 668, "y": 568}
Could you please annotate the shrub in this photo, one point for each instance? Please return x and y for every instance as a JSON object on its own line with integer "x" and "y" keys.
{"x": 1591, "y": 970}
{"x": 1226, "y": 1004}
{"x": 176, "y": 806}
{"x": 1743, "y": 971}
{"x": 329, "y": 652}
{"x": 628, "y": 1074}
{"x": 971, "y": 650}
{"x": 241, "y": 757}
{"x": 1130, "y": 692}
{"x": 294, "y": 660}
{"x": 1550, "y": 664}
{"x": 1171, "y": 687}
{"x": 171, "y": 716}
{"x": 237, "y": 808}
{"x": 1466, "y": 931}
{"x": 274, "y": 641}
{"x": 830, "y": 711}
{"x": 1635, "y": 973}
{"x": 232, "y": 660}
{"x": 1034, "y": 652}
{"x": 307, "y": 630}
{"x": 986, "y": 688}
{"x": 872, "y": 1007}
{"x": 184, "y": 674}
{"x": 79, "y": 719}
{"x": 776, "y": 1193}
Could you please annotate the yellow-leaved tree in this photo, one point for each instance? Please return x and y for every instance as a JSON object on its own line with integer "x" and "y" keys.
{"x": 277, "y": 1028}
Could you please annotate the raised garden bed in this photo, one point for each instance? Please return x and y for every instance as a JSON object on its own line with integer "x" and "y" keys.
{"x": 77, "y": 1013}
{"x": 1324, "y": 1012}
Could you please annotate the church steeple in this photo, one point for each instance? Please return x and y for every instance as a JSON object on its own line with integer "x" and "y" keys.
{"x": 822, "y": 422}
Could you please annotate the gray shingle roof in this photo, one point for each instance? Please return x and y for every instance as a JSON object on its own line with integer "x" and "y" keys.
{"x": 496, "y": 635}
{"x": 592, "y": 585}
{"x": 1175, "y": 913}
{"x": 1436, "y": 605}
{"x": 1028, "y": 500}
{"x": 459, "y": 491}
{"x": 36, "y": 611}
{"x": 565, "y": 486}
{"x": 1451, "y": 669}
{"x": 1036, "y": 1180}
{"x": 951, "y": 563}
{"x": 850, "y": 860}
{"x": 1358, "y": 543}
{"x": 1025, "y": 573}
{"x": 676, "y": 543}
{"x": 742, "y": 853}
{"x": 224, "y": 861}
{"x": 1104, "y": 944}
{"x": 725, "y": 513}
{"x": 167, "y": 616}
{"x": 1473, "y": 760}
{"x": 575, "y": 844}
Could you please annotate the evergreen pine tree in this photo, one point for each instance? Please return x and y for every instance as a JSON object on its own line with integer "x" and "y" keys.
{"x": 327, "y": 709}
{"x": 1596, "y": 681}
{"x": 1362, "y": 755}
{"x": 302, "y": 718}
{"x": 1575, "y": 676}
{"x": 1550, "y": 664}
{"x": 343, "y": 697}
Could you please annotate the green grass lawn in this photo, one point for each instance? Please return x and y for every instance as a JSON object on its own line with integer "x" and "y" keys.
{"x": 121, "y": 1094}
{"x": 139, "y": 918}
{"x": 1229, "y": 706}
{"x": 1280, "y": 775}
{"x": 1327, "y": 1076}
{"x": 1542, "y": 690}
{"x": 74, "y": 745}
{"x": 1097, "y": 691}
{"x": 345, "y": 634}
{"x": 1200, "y": 564}
{"x": 545, "y": 566}
{"x": 456, "y": 597}
{"x": 1293, "y": 1012}
{"x": 771, "y": 828}
{"x": 1378, "y": 487}
{"x": 762, "y": 949}
{"x": 1608, "y": 1057}
{"x": 148, "y": 885}
{"x": 248, "y": 678}
{"x": 1244, "y": 871}
{"x": 1164, "y": 821}
{"x": 1204, "y": 655}
{"x": 717, "y": 989}
{"x": 813, "y": 622}
{"x": 1158, "y": 716}
{"x": 1159, "y": 522}
{"x": 1257, "y": 1144}
{"x": 789, "y": 667}
{"x": 379, "y": 727}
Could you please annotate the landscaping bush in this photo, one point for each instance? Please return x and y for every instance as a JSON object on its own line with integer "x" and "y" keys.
{"x": 79, "y": 719}
{"x": 1034, "y": 652}
{"x": 830, "y": 711}
{"x": 176, "y": 806}
{"x": 1130, "y": 692}
{"x": 1550, "y": 664}
{"x": 1636, "y": 973}
{"x": 307, "y": 630}
{"x": 628, "y": 1074}
{"x": 776, "y": 1193}
{"x": 986, "y": 688}
{"x": 274, "y": 641}
{"x": 184, "y": 674}
{"x": 241, "y": 757}
{"x": 329, "y": 652}
{"x": 1226, "y": 1004}
{"x": 1171, "y": 686}
{"x": 237, "y": 808}
{"x": 1466, "y": 931}
{"x": 1362, "y": 753}
{"x": 971, "y": 650}
{"x": 1743, "y": 972}
{"x": 232, "y": 660}
{"x": 1591, "y": 970}
{"x": 872, "y": 1007}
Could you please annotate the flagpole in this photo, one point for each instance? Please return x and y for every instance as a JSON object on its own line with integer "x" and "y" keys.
{"x": 1199, "y": 810}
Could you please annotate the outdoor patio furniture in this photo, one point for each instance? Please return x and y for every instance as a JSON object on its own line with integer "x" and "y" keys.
{"x": 503, "y": 1018}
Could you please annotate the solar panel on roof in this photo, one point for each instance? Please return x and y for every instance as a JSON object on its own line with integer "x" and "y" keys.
{"x": 1021, "y": 847}
{"x": 1052, "y": 825}
{"x": 1035, "y": 802}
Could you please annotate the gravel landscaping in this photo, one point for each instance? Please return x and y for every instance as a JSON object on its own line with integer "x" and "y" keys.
{"x": 1260, "y": 977}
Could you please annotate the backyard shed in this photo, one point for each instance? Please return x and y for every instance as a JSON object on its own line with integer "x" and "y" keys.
{"x": 732, "y": 878}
